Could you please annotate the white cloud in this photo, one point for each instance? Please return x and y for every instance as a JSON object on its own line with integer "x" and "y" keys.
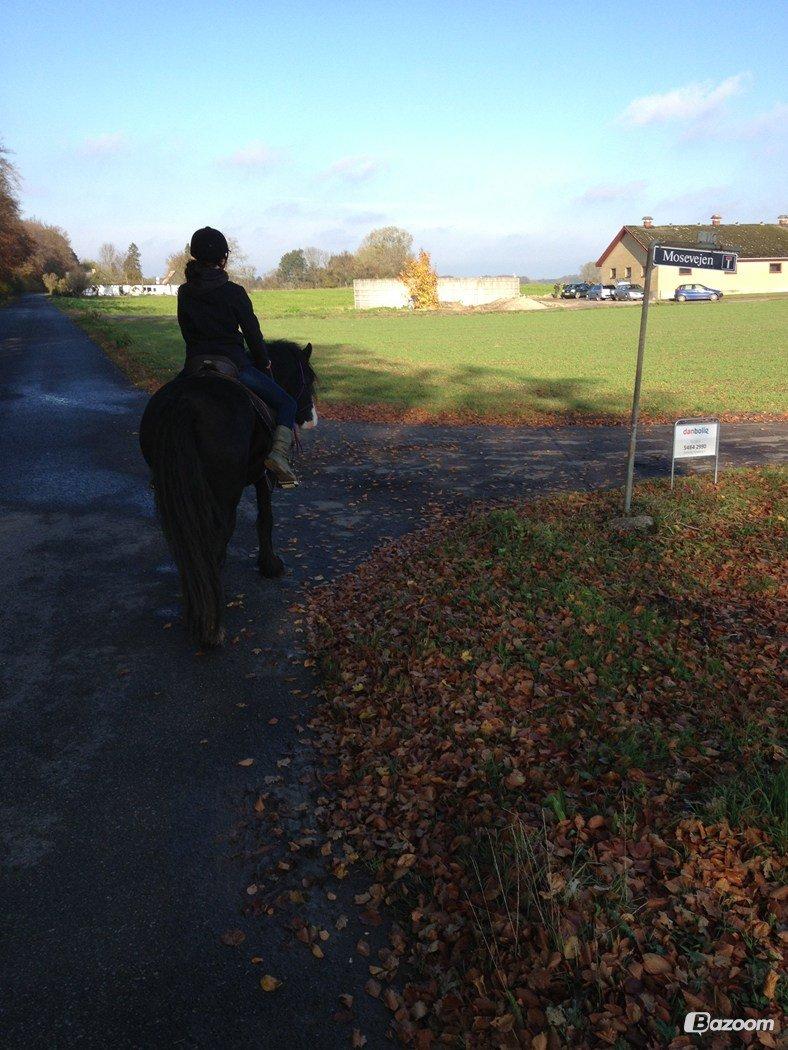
{"x": 254, "y": 156}
{"x": 620, "y": 191}
{"x": 683, "y": 104}
{"x": 108, "y": 144}
{"x": 353, "y": 169}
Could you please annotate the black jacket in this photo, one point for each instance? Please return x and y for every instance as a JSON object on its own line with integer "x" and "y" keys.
{"x": 216, "y": 316}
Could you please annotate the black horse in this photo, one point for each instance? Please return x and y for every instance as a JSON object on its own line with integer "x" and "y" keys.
{"x": 204, "y": 443}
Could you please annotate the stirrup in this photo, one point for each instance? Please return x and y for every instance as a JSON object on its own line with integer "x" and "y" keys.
{"x": 275, "y": 481}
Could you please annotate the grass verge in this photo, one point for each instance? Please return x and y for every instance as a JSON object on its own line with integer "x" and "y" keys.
{"x": 561, "y": 752}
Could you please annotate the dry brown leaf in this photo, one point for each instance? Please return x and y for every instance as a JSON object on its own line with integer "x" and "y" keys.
{"x": 770, "y": 984}
{"x": 655, "y": 964}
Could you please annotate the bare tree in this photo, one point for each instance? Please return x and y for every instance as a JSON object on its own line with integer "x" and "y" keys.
{"x": 176, "y": 265}
{"x": 590, "y": 273}
{"x": 111, "y": 269}
{"x": 239, "y": 268}
{"x": 316, "y": 262}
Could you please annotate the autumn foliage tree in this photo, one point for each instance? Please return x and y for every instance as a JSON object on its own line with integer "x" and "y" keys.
{"x": 50, "y": 253}
{"x": 422, "y": 282}
{"x": 15, "y": 242}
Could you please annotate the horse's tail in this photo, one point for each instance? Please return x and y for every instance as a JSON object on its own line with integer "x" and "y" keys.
{"x": 191, "y": 521}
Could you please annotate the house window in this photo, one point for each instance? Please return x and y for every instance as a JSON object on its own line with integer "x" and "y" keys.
{"x": 684, "y": 271}
{"x": 612, "y": 273}
{"x": 628, "y": 272}
{"x": 775, "y": 267}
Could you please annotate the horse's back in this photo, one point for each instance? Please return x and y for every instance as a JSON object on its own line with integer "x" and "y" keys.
{"x": 217, "y": 411}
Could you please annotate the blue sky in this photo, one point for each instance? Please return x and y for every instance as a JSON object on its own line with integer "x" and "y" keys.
{"x": 507, "y": 137}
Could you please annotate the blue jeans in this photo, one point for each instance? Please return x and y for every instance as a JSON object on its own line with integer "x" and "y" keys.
{"x": 271, "y": 392}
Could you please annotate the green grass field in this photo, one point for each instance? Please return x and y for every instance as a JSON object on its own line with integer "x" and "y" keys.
{"x": 723, "y": 358}
{"x": 536, "y": 288}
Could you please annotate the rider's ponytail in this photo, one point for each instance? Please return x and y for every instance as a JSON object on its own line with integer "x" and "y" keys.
{"x": 191, "y": 269}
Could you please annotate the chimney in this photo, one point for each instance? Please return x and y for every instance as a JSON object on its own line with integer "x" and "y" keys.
{"x": 648, "y": 222}
{"x": 782, "y": 220}
{"x": 716, "y": 220}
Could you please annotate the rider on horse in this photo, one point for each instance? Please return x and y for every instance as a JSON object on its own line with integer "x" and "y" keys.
{"x": 216, "y": 317}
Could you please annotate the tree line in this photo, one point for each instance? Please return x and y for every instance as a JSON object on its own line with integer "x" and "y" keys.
{"x": 383, "y": 253}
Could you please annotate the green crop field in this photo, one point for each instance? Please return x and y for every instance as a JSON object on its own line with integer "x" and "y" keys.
{"x": 726, "y": 358}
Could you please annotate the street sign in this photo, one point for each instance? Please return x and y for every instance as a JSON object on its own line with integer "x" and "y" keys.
{"x": 695, "y": 258}
{"x": 661, "y": 255}
{"x": 695, "y": 439}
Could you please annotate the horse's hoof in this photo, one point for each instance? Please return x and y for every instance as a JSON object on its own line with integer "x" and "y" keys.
{"x": 272, "y": 570}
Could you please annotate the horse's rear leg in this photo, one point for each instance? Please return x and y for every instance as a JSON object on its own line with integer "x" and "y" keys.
{"x": 268, "y": 564}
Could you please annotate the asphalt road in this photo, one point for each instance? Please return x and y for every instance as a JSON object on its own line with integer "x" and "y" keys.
{"x": 126, "y": 843}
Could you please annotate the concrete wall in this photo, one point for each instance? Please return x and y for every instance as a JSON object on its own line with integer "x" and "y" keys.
{"x": 469, "y": 291}
{"x": 367, "y": 295}
{"x": 476, "y": 291}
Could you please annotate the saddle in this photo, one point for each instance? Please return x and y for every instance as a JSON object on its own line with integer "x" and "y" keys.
{"x": 211, "y": 365}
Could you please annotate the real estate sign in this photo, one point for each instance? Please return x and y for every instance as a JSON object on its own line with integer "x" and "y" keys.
{"x": 695, "y": 439}
{"x": 695, "y": 258}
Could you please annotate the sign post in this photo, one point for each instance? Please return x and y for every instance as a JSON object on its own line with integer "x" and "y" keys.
{"x": 695, "y": 439}
{"x": 660, "y": 255}
{"x": 633, "y": 426}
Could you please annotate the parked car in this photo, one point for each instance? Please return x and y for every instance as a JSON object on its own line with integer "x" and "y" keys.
{"x": 598, "y": 292}
{"x": 696, "y": 293}
{"x": 574, "y": 291}
{"x": 626, "y": 291}
{"x": 582, "y": 290}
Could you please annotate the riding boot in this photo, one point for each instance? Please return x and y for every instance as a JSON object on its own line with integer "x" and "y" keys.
{"x": 277, "y": 459}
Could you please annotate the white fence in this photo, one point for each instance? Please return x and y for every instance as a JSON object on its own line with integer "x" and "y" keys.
{"x": 131, "y": 289}
{"x": 468, "y": 291}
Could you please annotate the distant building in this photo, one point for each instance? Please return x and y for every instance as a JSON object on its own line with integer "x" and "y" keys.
{"x": 131, "y": 289}
{"x": 762, "y": 248}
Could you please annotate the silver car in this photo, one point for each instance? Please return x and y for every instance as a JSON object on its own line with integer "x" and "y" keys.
{"x": 629, "y": 292}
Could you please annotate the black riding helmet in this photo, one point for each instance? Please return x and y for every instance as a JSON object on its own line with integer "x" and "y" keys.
{"x": 209, "y": 245}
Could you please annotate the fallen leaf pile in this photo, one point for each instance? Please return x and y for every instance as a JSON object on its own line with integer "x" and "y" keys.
{"x": 559, "y": 752}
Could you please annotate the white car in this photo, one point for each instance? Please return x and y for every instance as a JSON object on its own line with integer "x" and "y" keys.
{"x": 602, "y": 291}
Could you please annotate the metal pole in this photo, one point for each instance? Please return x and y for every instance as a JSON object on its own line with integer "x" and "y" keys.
{"x": 633, "y": 427}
